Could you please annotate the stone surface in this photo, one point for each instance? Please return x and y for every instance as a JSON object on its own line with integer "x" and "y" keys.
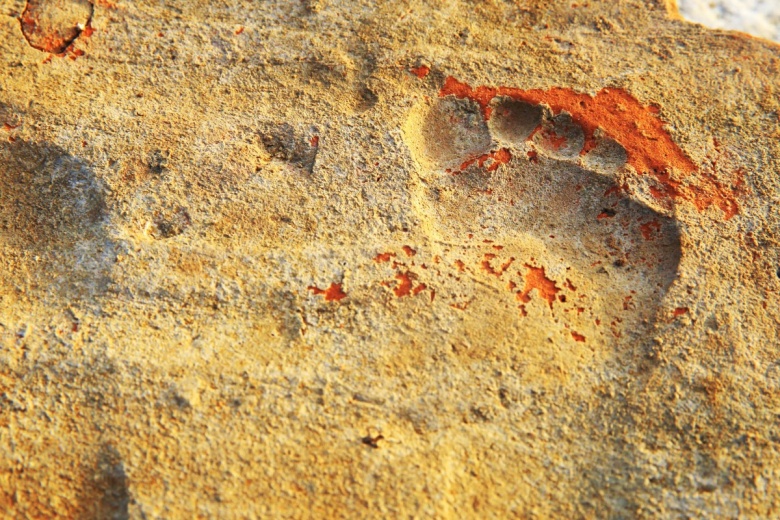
{"x": 387, "y": 259}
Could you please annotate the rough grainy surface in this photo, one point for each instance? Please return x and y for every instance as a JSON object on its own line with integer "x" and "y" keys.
{"x": 335, "y": 258}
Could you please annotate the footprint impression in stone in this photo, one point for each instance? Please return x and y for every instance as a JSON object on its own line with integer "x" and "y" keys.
{"x": 529, "y": 190}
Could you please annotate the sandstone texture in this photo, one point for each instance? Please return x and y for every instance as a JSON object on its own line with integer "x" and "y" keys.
{"x": 387, "y": 259}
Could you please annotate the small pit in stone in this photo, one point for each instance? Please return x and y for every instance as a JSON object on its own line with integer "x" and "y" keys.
{"x": 608, "y": 156}
{"x": 52, "y": 25}
{"x": 453, "y": 131}
{"x": 560, "y": 137}
{"x": 514, "y": 121}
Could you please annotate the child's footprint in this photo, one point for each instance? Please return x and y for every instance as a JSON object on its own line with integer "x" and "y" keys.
{"x": 541, "y": 177}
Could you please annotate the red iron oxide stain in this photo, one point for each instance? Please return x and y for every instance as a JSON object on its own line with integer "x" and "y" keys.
{"x": 88, "y": 30}
{"x": 636, "y": 127}
{"x": 533, "y": 156}
{"x": 497, "y": 158}
{"x": 46, "y": 35}
{"x": 460, "y": 265}
{"x": 604, "y": 214}
{"x": 420, "y": 71}
{"x": 679, "y": 311}
{"x": 578, "y": 337}
{"x": 239, "y": 30}
{"x": 333, "y": 293}
{"x": 383, "y": 257}
{"x": 7, "y": 127}
{"x": 315, "y": 141}
{"x": 404, "y": 287}
{"x": 553, "y": 140}
{"x": 647, "y": 229}
{"x": 409, "y": 251}
{"x": 537, "y": 279}
{"x": 486, "y": 265}
{"x": 420, "y": 288}
{"x": 569, "y": 285}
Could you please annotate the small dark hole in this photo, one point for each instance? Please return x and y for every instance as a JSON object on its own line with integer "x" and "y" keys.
{"x": 368, "y": 440}
{"x": 778, "y": 272}
{"x": 608, "y": 212}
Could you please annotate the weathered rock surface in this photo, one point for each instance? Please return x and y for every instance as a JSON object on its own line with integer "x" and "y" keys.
{"x": 327, "y": 258}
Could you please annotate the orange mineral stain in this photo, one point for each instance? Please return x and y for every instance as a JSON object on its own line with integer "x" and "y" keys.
{"x": 409, "y": 251}
{"x": 420, "y": 71}
{"x": 648, "y": 229}
{"x": 553, "y": 140}
{"x": 88, "y": 30}
{"x": 383, "y": 257}
{"x": 679, "y": 311}
{"x": 578, "y": 337}
{"x": 404, "y": 286}
{"x": 333, "y": 293}
{"x": 637, "y": 127}
{"x": 420, "y": 288}
{"x": 537, "y": 279}
{"x": 497, "y": 158}
{"x": 486, "y": 265}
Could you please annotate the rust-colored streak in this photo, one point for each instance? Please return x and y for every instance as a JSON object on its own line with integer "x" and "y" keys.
{"x": 486, "y": 265}
{"x": 679, "y": 311}
{"x": 421, "y": 71}
{"x": 578, "y": 337}
{"x": 333, "y": 293}
{"x": 497, "y": 158}
{"x": 383, "y": 257}
{"x": 649, "y": 229}
{"x": 404, "y": 286}
{"x": 409, "y": 251}
{"x": 537, "y": 279}
{"x": 714, "y": 192}
{"x": 553, "y": 140}
{"x": 8, "y": 127}
{"x": 638, "y": 128}
{"x": 88, "y": 30}
{"x": 420, "y": 288}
